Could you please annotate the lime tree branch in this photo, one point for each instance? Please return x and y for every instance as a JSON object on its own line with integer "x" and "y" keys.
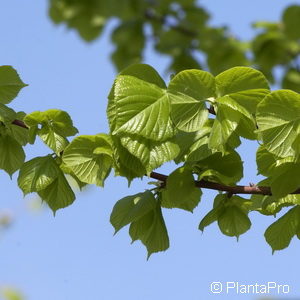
{"x": 237, "y": 189}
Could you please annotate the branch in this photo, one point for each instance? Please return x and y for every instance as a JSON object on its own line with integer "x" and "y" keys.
{"x": 237, "y": 189}
{"x": 20, "y": 124}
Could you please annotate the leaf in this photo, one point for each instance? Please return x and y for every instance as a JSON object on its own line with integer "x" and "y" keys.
{"x": 278, "y": 119}
{"x": 211, "y": 217}
{"x": 245, "y": 86}
{"x": 291, "y": 80}
{"x": 90, "y": 158}
{"x": 151, "y": 230}
{"x": 270, "y": 205}
{"x": 12, "y": 154}
{"x": 140, "y": 71}
{"x": 142, "y": 108}
{"x": 285, "y": 179}
{"x": 56, "y": 125}
{"x": 126, "y": 164}
{"x": 37, "y": 173}
{"x": 240, "y": 89}
{"x": 233, "y": 221}
{"x": 291, "y": 22}
{"x": 279, "y": 234}
{"x": 227, "y": 169}
{"x": 58, "y": 194}
{"x": 11, "y": 294}
{"x": 131, "y": 208}
{"x": 180, "y": 191}
{"x": 7, "y": 115}
{"x": 151, "y": 154}
{"x": 10, "y": 84}
{"x": 266, "y": 161}
{"x": 192, "y": 144}
{"x": 225, "y": 124}
{"x": 188, "y": 92}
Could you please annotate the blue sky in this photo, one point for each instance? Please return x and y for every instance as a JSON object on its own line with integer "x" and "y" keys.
{"x": 74, "y": 256}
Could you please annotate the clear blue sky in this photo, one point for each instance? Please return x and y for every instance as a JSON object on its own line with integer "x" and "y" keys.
{"x": 74, "y": 256}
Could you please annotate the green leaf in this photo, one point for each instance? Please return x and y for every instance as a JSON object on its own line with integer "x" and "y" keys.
{"x": 58, "y": 194}
{"x": 140, "y": 71}
{"x": 126, "y": 164}
{"x": 151, "y": 154}
{"x": 291, "y": 80}
{"x": 239, "y": 90}
{"x": 131, "y": 208}
{"x": 225, "y": 124}
{"x": 188, "y": 91}
{"x": 90, "y": 158}
{"x": 20, "y": 134}
{"x": 180, "y": 191}
{"x": 285, "y": 179}
{"x": 227, "y": 169}
{"x": 192, "y": 144}
{"x": 270, "y": 205}
{"x": 37, "y": 173}
{"x": 245, "y": 86}
{"x": 142, "y": 108}
{"x": 12, "y": 154}
{"x": 278, "y": 119}
{"x": 233, "y": 221}
{"x": 266, "y": 161}
{"x": 211, "y": 217}
{"x": 151, "y": 230}
{"x": 7, "y": 115}
{"x": 10, "y": 84}
{"x": 56, "y": 125}
{"x": 291, "y": 22}
{"x": 279, "y": 234}
{"x": 11, "y": 294}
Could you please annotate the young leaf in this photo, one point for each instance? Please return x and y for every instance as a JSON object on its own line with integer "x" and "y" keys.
{"x": 7, "y": 115}
{"x": 126, "y": 164}
{"x": 266, "y": 161}
{"x": 152, "y": 154}
{"x": 12, "y": 154}
{"x": 37, "y": 173}
{"x": 245, "y": 86}
{"x": 211, "y": 217}
{"x": 285, "y": 179}
{"x": 240, "y": 89}
{"x": 188, "y": 92}
{"x": 151, "y": 230}
{"x": 291, "y": 22}
{"x": 278, "y": 117}
{"x": 233, "y": 221}
{"x": 10, "y": 84}
{"x": 180, "y": 191}
{"x": 141, "y": 71}
{"x": 279, "y": 234}
{"x": 227, "y": 169}
{"x": 90, "y": 158}
{"x": 131, "y": 208}
{"x": 56, "y": 126}
{"x": 142, "y": 108}
{"x": 58, "y": 194}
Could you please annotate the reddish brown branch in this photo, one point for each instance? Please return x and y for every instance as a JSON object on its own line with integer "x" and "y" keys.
{"x": 237, "y": 189}
{"x": 20, "y": 123}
